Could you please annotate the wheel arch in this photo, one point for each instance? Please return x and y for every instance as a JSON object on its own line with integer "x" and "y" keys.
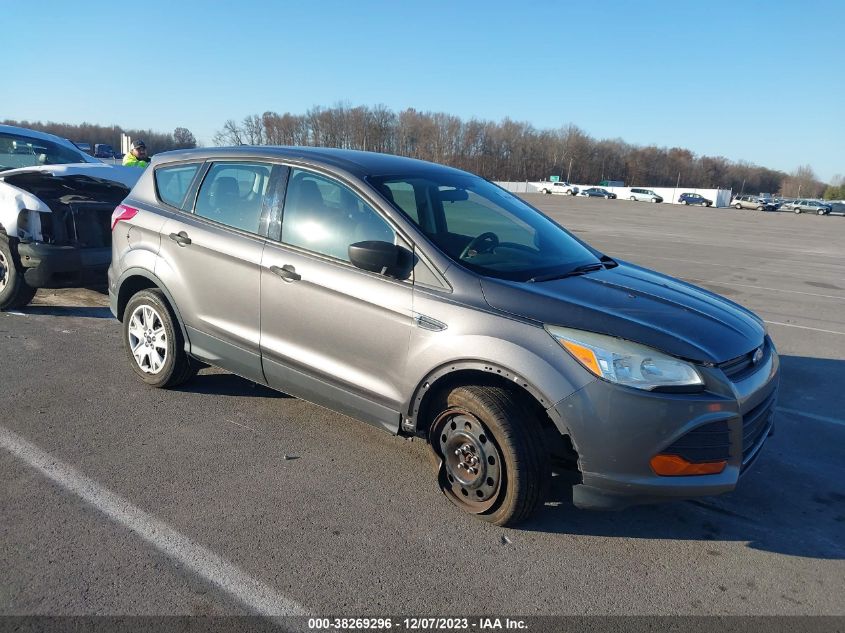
{"x": 132, "y": 281}
{"x": 468, "y": 372}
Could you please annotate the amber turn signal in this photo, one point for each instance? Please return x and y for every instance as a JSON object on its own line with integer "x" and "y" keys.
{"x": 674, "y": 466}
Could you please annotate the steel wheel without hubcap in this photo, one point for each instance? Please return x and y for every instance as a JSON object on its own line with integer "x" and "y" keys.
{"x": 471, "y": 475}
{"x": 148, "y": 339}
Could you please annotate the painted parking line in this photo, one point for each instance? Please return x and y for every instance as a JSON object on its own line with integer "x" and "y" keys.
{"x": 812, "y": 416}
{"x": 255, "y": 595}
{"x": 805, "y": 327}
{"x": 778, "y": 290}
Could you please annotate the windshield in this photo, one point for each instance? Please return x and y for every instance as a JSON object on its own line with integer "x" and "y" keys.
{"x": 484, "y": 227}
{"x": 24, "y": 151}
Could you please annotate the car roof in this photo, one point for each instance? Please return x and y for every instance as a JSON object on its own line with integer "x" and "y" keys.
{"x": 356, "y": 162}
{"x": 43, "y": 136}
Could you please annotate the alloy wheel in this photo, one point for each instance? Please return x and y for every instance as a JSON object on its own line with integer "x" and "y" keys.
{"x": 4, "y": 271}
{"x": 148, "y": 339}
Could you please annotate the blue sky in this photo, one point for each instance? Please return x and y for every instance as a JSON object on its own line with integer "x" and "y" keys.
{"x": 757, "y": 81}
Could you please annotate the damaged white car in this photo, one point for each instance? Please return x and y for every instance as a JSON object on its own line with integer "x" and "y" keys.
{"x": 55, "y": 214}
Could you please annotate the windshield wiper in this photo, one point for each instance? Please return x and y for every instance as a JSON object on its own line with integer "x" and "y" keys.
{"x": 578, "y": 270}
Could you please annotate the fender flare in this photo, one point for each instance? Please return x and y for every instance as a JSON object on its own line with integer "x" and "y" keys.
{"x": 413, "y": 406}
{"x": 141, "y": 272}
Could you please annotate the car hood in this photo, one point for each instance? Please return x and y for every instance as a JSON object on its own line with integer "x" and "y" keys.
{"x": 639, "y": 305}
{"x": 118, "y": 173}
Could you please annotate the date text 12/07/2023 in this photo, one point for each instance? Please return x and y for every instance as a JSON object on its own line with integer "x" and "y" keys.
{"x": 417, "y": 624}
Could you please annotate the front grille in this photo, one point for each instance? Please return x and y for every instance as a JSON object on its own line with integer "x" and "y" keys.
{"x": 707, "y": 443}
{"x": 756, "y": 425}
{"x": 743, "y": 366}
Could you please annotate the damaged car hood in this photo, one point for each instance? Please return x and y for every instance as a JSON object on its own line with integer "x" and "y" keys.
{"x": 639, "y": 305}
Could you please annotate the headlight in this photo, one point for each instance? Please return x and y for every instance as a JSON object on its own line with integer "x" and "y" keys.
{"x": 624, "y": 362}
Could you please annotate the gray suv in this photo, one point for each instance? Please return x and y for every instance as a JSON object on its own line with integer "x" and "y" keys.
{"x": 432, "y": 303}
{"x": 811, "y": 206}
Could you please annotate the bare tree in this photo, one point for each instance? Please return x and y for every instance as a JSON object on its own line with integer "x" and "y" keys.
{"x": 183, "y": 138}
{"x": 231, "y": 134}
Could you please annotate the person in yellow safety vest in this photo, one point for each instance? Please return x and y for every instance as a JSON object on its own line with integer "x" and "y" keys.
{"x": 137, "y": 156}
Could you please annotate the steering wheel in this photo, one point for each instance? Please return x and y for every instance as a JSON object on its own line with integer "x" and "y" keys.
{"x": 475, "y": 244}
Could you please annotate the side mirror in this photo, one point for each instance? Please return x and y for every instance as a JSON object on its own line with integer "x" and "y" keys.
{"x": 382, "y": 257}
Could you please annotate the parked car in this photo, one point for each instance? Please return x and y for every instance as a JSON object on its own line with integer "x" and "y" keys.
{"x": 644, "y": 195}
{"x": 598, "y": 192}
{"x": 562, "y": 188}
{"x": 55, "y": 207}
{"x": 754, "y": 202}
{"x": 104, "y": 150}
{"x": 429, "y": 302}
{"x": 694, "y": 198}
{"x": 811, "y": 206}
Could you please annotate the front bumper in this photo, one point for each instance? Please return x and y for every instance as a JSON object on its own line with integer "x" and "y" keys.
{"x": 617, "y": 430}
{"x": 52, "y": 266}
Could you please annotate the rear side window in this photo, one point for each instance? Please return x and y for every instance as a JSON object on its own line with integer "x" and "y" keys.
{"x": 172, "y": 183}
{"x": 233, "y": 194}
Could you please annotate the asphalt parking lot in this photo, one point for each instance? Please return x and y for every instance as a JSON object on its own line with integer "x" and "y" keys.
{"x": 223, "y": 497}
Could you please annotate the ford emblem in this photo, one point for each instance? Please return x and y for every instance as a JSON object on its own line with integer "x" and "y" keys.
{"x": 758, "y": 355}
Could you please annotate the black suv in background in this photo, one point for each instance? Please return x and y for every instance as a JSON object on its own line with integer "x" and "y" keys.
{"x": 694, "y": 198}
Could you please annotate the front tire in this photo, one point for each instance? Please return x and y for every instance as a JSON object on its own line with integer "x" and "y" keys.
{"x": 491, "y": 459}
{"x": 14, "y": 291}
{"x": 632, "y": 199}
{"x": 797, "y": 210}
{"x": 153, "y": 341}
{"x": 738, "y": 207}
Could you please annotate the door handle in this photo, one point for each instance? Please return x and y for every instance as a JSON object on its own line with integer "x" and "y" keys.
{"x": 181, "y": 238}
{"x": 286, "y": 272}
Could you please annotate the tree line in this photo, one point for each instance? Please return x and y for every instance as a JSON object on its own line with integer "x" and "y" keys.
{"x": 181, "y": 138}
{"x": 510, "y": 150}
{"x": 505, "y": 150}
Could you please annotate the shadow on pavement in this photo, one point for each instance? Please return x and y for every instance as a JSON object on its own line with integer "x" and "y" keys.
{"x": 67, "y": 311}
{"x": 791, "y": 501}
{"x": 225, "y": 384}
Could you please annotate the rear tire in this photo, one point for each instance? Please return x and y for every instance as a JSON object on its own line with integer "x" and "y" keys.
{"x": 154, "y": 343}
{"x": 632, "y": 199}
{"x": 14, "y": 291}
{"x": 491, "y": 458}
{"x": 821, "y": 211}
